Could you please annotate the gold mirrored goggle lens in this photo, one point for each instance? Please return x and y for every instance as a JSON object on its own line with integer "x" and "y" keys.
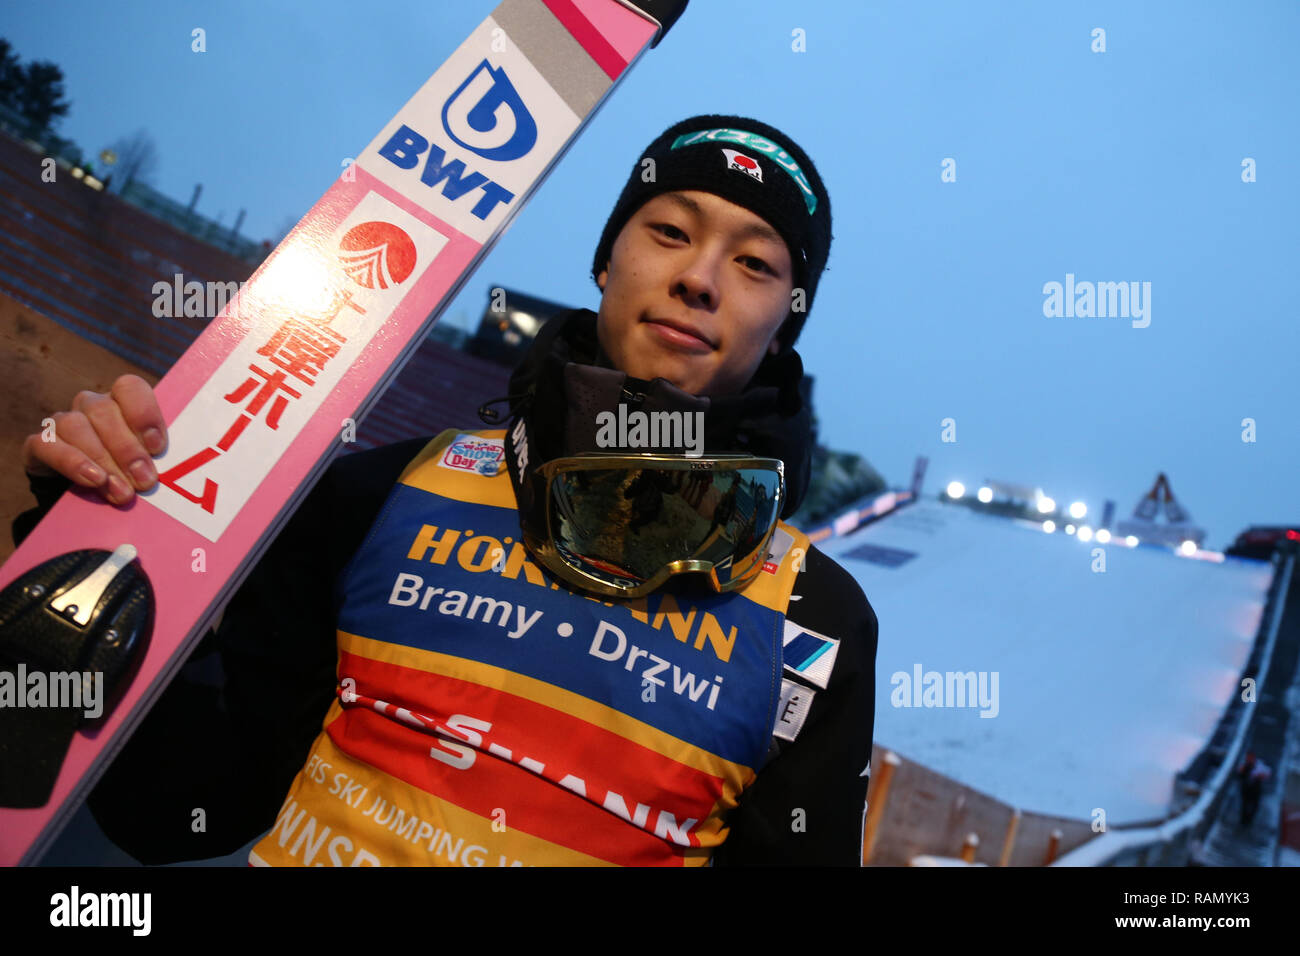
{"x": 624, "y": 524}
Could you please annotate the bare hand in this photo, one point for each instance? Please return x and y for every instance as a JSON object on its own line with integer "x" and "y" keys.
{"x": 105, "y": 441}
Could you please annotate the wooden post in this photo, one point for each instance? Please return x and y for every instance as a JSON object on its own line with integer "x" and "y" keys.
{"x": 876, "y": 800}
{"x": 1053, "y": 847}
{"x": 969, "y": 847}
{"x": 1010, "y": 840}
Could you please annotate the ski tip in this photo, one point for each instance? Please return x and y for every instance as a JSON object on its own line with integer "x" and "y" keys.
{"x": 662, "y": 12}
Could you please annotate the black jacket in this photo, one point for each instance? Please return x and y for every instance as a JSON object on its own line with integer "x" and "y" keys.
{"x": 229, "y": 734}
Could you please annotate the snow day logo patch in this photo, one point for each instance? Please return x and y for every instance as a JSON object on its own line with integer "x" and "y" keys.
{"x": 482, "y": 456}
{"x": 743, "y": 163}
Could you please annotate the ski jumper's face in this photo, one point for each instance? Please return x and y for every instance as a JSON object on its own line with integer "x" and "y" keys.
{"x": 695, "y": 291}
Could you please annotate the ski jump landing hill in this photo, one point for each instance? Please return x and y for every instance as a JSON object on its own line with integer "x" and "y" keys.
{"x": 1035, "y": 690}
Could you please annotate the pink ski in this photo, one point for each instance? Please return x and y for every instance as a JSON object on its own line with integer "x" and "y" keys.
{"x": 257, "y": 404}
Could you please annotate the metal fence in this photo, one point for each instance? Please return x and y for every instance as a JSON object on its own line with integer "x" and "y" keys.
{"x": 174, "y": 213}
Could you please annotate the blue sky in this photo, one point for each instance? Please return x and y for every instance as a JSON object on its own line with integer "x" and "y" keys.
{"x": 1115, "y": 166}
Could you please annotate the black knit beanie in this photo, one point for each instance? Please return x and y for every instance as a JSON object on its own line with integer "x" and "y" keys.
{"x": 750, "y": 164}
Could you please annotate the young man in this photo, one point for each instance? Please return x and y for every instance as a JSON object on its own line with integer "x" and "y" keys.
{"x": 507, "y": 669}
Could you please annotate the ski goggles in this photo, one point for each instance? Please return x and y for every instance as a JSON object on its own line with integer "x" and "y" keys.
{"x": 621, "y": 525}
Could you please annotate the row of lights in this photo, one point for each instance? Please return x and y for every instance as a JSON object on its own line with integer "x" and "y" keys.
{"x": 1077, "y": 510}
{"x": 85, "y": 177}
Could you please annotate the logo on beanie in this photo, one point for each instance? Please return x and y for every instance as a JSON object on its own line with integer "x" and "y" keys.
{"x": 759, "y": 144}
{"x": 743, "y": 163}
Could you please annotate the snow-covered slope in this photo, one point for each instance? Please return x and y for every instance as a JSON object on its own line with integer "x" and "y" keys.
{"x": 1107, "y": 682}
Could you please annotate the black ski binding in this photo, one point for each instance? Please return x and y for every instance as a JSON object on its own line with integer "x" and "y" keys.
{"x": 79, "y": 615}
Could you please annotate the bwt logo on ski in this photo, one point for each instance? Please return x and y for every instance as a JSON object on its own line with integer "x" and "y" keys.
{"x": 490, "y": 116}
{"x": 480, "y": 455}
{"x": 377, "y": 255}
{"x": 485, "y": 116}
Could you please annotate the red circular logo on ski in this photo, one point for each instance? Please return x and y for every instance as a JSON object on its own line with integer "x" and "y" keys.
{"x": 377, "y": 255}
